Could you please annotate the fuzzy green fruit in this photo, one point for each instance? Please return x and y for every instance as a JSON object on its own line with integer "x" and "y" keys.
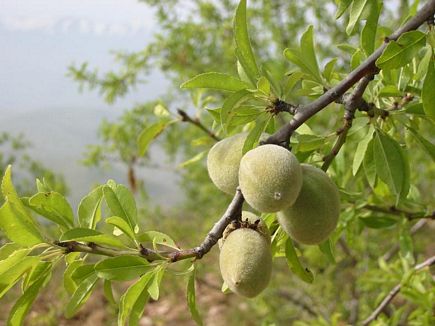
{"x": 223, "y": 162}
{"x": 245, "y": 259}
{"x": 315, "y": 213}
{"x": 270, "y": 178}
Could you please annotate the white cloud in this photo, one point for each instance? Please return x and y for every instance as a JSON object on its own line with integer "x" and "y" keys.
{"x": 99, "y": 17}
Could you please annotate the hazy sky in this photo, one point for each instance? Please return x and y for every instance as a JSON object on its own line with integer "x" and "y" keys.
{"x": 40, "y": 38}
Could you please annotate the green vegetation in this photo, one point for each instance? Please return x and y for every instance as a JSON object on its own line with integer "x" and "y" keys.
{"x": 354, "y": 98}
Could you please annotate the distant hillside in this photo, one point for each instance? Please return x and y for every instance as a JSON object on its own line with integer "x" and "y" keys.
{"x": 59, "y": 138}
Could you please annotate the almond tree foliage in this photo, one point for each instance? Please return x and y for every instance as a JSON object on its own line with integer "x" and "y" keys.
{"x": 354, "y": 96}
{"x": 14, "y": 150}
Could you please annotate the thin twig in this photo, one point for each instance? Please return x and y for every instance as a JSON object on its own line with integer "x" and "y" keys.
{"x": 392, "y": 210}
{"x": 282, "y": 136}
{"x": 428, "y": 262}
{"x": 351, "y": 104}
{"x": 395, "y": 249}
{"x": 195, "y": 121}
{"x": 297, "y": 302}
{"x": 233, "y": 212}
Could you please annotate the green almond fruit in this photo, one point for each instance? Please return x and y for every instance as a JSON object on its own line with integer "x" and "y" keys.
{"x": 270, "y": 178}
{"x": 314, "y": 215}
{"x": 245, "y": 261}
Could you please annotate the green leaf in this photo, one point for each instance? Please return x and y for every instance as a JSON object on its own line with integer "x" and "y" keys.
{"x": 263, "y": 85}
{"x": 305, "y": 56}
{"x": 427, "y": 145}
{"x": 390, "y": 91}
{"x": 23, "y": 304}
{"x": 295, "y": 265}
{"x": 89, "y": 211}
{"x": 356, "y": 11}
{"x": 149, "y": 134}
{"x": 156, "y": 237}
{"x": 14, "y": 267}
{"x": 191, "y": 297}
{"x": 17, "y": 226}
{"x": 329, "y": 69}
{"x": 424, "y": 63}
{"x": 15, "y": 221}
{"x": 154, "y": 286}
{"x": 81, "y": 295}
{"x": 108, "y": 292}
{"x": 243, "y": 45}
{"x": 368, "y": 33}
{"x": 138, "y": 309}
{"x": 308, "y": 52}
{"x": 8, "y": 249}
{"x": 133, "y": 294}
{"x": 14, "y": 258}
{"x": 122, "y": 268}
{"x": 392, "y": 167}
{"x": 255, "y": 133}
{"x": 361, "y": 150}
{"x": 54, "y": 207}
{"x": 378, "y": 222}
{"x": 196, "y": 158}
{"x": 231, "y": 104}
{"x": 121, "y": 203}
{"x": 68, "y": 282}
{"x": 326, "y": 248}
{"x": 342, "y": 6}
{"x": 428, "y": 91}
{"x": 83, "y": 272}
{"x": 122, "y": 225}
{"x": 399, "y": 53}
{"x": 88, "y": 235}
{"x": 37, "y": 271}
{"x": 369, "y": 165}
{"x": 215, "y": 80}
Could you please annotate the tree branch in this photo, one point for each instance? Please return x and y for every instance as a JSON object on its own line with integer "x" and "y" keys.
{"x": 428, "y": 262}
{"x": 395, "y": 249}
{"x": 351, "y": 104}
{"x": 392, "y": 210}
{"x": 195, "y": 121}
{"x": 233, "y": 212}
{"x": 282, "y": 136}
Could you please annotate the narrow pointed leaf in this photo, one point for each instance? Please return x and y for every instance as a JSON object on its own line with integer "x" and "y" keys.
{"x": 80, "y": 296}
{"x": 399, "y": 53}
{"x": 88, "y": 235}
{"x": 231, "y": 104}
{"x": 215, "y": 80}
{"x": 391, "y": 165}
{"x": 295, "y": 265}
{"x": 89, "y": 211}
{"x": 15, "y": 221}
{"x": 121, "y": 203}
{"x": 327, "y": 248}
{"x": 191, "y": 297}
{"x": 122, "y": 268}
{"x": 24, "y": 303}
{"x": 148, "y": 135}
{"x": 361, "y": 151}
{"x": 243, "y": 44}
{"x": 356, "y": 11}
{"x": 53, "y": 206}
{"x": 131, "y": 296}
{"x": 428, "y": 91}
{"x": 122, "y": 225}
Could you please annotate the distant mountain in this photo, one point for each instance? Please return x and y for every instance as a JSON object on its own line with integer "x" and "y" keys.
{"x": 59, "y": 138}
